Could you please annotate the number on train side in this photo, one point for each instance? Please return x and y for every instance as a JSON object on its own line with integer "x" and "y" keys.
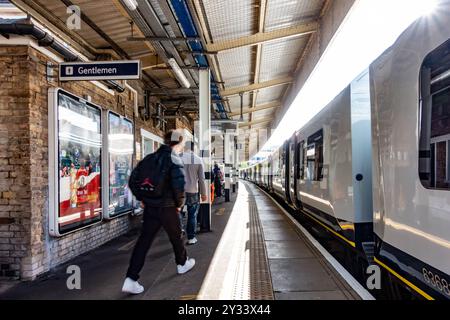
{"x": 435, "y": 281}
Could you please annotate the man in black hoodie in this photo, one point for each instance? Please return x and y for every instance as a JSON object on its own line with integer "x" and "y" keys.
{"x": 161, "y": 212}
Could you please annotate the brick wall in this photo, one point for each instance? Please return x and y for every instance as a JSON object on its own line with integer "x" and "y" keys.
{"x": 179, "y": 123}
{"x": 15, "y": 210}
{"x": 26, "y": 248}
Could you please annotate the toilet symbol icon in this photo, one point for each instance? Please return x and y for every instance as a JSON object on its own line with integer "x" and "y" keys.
{"x": 69, "y": 71}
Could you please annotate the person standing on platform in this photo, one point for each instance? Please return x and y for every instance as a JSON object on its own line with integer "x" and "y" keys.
{"x": 195, "y": 181}
{"x": 159, "y": 181}
{"x": 217, "y": 174}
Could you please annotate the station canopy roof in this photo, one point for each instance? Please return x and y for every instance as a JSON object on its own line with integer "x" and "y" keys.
{"x": 253, "y": 47}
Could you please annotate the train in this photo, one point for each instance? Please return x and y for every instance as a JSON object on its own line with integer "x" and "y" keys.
{"x": 372, "y": 168}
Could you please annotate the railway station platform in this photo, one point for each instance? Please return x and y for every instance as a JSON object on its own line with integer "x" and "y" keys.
{"x": 343, "y": 119}
{"x": 255, "y": 251}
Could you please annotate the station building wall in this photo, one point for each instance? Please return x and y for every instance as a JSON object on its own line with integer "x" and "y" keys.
{"x": 26, "y": 248}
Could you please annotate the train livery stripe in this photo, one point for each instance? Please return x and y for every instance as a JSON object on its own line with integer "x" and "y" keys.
{"x": 329, "y": 229}
{"x": 408, "y": 283}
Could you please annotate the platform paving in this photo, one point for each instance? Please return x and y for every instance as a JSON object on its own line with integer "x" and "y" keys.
{"x": 103, "y": 269}
{"x": 298, "y": 270}
{"x": 253, "y": 252}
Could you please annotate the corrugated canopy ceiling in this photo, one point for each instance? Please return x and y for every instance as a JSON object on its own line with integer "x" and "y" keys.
{"x": 253, "y": 46}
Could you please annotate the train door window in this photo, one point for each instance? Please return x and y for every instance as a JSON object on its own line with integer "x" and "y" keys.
{"x": 275, "y": 166}
{"x": 434, "y": 162}
{"x": 301, "y": 160}
{"x": 314, "y": 157}
{"x": 280, "y": 163}
{"x": 291, "y": 160}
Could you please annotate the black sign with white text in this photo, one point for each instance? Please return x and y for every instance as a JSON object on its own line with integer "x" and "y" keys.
{"x": 100, "y": 70}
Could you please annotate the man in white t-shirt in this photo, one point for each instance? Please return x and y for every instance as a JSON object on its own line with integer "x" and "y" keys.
{"x": 195, "y": 181}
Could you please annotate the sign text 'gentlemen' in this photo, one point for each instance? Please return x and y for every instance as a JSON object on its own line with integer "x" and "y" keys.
{"x": 100, "y": 70}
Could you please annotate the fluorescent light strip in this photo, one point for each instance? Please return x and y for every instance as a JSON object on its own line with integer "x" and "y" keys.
{"x": 179, "y": 73}
{"x": 131, "y": 4}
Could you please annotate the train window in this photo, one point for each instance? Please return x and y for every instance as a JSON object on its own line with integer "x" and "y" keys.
{"x": 434, "y": 143}
{"x": 314, "y": 157}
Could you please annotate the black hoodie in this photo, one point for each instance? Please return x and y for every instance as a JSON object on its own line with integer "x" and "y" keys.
{"x": 174, "y": 195}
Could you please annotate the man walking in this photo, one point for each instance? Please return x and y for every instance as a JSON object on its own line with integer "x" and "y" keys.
{"x": 158, "y": 181}
{"x": 195, "y": 180}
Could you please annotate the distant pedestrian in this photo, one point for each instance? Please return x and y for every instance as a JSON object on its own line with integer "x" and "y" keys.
{"x": 195, "y": 181}
{"x": 158, "y": 181}
{"x": 218, "y": 178}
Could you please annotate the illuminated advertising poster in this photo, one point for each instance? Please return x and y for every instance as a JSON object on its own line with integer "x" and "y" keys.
{"x": 121, "y": 149}
{"x": 79, "y": 159}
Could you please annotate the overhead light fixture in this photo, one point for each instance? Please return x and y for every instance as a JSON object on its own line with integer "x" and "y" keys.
{"x": 179, "y": 73}
{"x": 131, "y": 4}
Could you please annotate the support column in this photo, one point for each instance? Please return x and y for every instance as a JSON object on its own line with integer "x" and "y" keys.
{"x": 228, "y": 164}
{"x": 232, "y": 181}
{"x": 236, "y": 164}
{"x": 233, "y": 165}
{"x": 204, "y": 137}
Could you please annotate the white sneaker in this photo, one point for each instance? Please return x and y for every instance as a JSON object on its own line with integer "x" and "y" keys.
{"x": 188, "y": 265}
{"x": 131, "y": 286}
{"x": 192, "y": 241}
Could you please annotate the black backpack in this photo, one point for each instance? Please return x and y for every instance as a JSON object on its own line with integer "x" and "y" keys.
{"x": 149, "y": 178}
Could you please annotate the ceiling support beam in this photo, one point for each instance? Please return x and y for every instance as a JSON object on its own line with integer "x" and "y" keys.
{"x": 152, "y": 61}
{"x": 264, "y": 37}
{"x": 99, "y": 31}
{"x": 251, "y": 123}
{"x": 256, "y": 86}
{"x": 124, "y": 13}
{"x": 149, "y": 24}
{"x": 275, "y": 104}
{"x": 199, "y": 19}
{"x": 59, "y": 28}
{"x": 174, "y": 39}
{"x": 173, "y": 92}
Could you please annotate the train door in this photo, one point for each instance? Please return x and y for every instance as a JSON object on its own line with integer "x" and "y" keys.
{"x": 264, "y": 174}
{"x": 277, "y": 172}
{"x": 270, "y": 173}
{"x": 300, "y": 169}
{"x": 259, "y": 168}
{"x": 285, "y": 171}
{"x": 293, "y": 170}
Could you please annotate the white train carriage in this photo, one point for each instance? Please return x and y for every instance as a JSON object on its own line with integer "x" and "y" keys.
{"x": 373, "y": 167}
{"x": 329, "y": 162}
{"x": 411, "y": 140}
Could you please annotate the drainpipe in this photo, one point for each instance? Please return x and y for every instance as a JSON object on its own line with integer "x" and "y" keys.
{"x": 25, "y": 27}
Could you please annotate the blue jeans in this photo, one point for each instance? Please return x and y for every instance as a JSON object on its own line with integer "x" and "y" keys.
{"x": 193, "y": 204}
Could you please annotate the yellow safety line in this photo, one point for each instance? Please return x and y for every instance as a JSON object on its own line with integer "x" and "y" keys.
{"x": 412, "y": 286}
{"x": 189, "y": 297}
{"x": 331, "y": 230}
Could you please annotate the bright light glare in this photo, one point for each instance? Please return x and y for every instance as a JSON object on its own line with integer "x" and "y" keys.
{"x": 427, "y": 7}
{"x": 369, "y": 29}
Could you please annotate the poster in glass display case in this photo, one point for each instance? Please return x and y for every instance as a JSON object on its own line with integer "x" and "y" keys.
{"x": 75, "y": 151}
{"x": 120, "y": 163}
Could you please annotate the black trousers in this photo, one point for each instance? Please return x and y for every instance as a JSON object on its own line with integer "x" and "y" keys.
{"x": 154, "y": 219}
{"x": 218, "y": 188}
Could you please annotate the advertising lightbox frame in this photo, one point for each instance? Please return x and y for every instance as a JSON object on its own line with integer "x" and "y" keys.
{"x": 106, "y": 167}
{"x": 54, "y": 174}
